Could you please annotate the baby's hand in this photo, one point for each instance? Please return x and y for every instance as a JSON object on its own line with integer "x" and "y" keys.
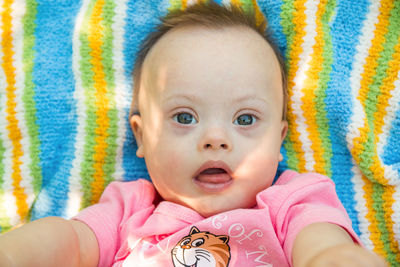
{"x": 346, "y": 255}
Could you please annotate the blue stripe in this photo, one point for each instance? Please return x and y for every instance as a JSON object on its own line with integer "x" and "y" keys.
{"x": 345, "y": 30}
{"x": 272, "y": 11}
{"x": 136, "y": 29}
{"x": 283, "y": 165}
{"x": 391, "y": 155}
{"x": 56, "y": 108}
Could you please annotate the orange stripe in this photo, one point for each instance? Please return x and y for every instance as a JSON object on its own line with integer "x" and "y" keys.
{"x": 388, "y": 210}
{"x": 101, "y": 101}
{"x": 309, "y": 89}
{"x": 236, "y": 2}
{"x": 376, "y": 167}
{"x": 370, "y": 216}
{"x": 258, "y": 14}
{"x": 15, "y": 134}
{"x": 299, "y": 22}
{"x": 371, "y": 64}
{"x": 370, "y": 68}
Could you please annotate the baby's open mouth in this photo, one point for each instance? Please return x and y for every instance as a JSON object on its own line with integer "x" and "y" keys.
{"x": 213, "y": 179}
{"x": 213, "y": 175}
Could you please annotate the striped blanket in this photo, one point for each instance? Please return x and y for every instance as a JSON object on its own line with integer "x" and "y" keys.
{"x": 65, "y": 89}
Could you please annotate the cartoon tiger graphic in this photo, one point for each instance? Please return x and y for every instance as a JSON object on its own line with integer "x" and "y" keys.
{"x": 201, "y": 249}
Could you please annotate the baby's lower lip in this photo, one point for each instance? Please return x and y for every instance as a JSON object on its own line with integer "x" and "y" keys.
{"x": 213, "y": 183}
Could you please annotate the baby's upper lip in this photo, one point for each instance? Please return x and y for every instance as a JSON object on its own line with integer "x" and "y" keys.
{"x": 211, "y": 164}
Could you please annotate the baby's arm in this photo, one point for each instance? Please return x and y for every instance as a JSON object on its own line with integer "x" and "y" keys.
{"x": 325, "y": 244}
{"x": 49, "y": 242}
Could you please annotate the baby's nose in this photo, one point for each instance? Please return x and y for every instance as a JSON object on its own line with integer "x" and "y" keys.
{"x": 216, "y": 145}
{"x": 215, "y": 139}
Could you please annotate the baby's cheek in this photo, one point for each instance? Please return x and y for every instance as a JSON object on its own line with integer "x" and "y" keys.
{"x": 256, "y": 164}
{"x": 172, "y": 162}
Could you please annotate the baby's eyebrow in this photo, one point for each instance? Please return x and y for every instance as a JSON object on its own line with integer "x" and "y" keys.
{"x": 251, "y": 98}
{"x": 189, "y": 97}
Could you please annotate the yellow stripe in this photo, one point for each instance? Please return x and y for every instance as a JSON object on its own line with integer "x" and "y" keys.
{"x": 299, "y": 21}
{"x": 370, "y": 66}
{"x": 388, "y": 204}
{"x": 309, "y": 89}
{"x": 370, "y": 216}
{"x": 15, "y": 134}
{"x": 382, "y": 104}
{"x": 258, "y": 14}
{"x": 184, "y": 4}
{"x": 236, "y": 2}
{"x": 101, "y": 101}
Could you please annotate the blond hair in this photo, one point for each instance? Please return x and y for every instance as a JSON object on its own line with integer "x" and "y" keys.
{"x": 207, "y": 14}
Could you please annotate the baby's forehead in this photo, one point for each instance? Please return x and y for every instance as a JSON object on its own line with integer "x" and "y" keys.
{"x": 188, "y": 37}
{"x": 198, "y": 41}
{"x": 192, "y": 58}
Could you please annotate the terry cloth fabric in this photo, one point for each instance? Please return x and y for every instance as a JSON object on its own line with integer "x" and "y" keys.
{"x": 65, "y": 89}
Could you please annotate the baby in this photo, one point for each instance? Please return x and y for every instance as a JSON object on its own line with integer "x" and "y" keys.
{"x": 208, "y": 118}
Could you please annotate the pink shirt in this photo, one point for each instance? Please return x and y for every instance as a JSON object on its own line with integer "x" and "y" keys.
{"x": 132, "y": 231}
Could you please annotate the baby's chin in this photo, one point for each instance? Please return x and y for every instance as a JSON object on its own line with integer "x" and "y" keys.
{"x": 217, "y": 207}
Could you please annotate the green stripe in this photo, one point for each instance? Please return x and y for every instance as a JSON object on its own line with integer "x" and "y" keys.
{"x": 366, "y": 156}
{"x": 378, "y": 206}
{"x": 29, "y": 94}
{"x": 174, "y": 5}
{"x": 247, "y": 6}
{"x": 287, "y": 28}
{"x": 87, "y": 73}
{"x": 391, "y": 39}
{"x": 5, "y": 224}
{"x": 324, "y": 77}
{"x": 107, "y": 56}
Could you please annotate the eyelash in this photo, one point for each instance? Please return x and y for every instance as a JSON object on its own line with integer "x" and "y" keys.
{"x": 253, "y": 117}
{"x": 191, "y": 119}
{"x": 176, "y": 118}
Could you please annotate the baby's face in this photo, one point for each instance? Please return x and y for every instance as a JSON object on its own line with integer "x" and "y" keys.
{"x": 211, "y": 126}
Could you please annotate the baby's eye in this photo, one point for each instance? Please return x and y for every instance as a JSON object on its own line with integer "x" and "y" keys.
{"x": 245, "y": 119}
{"x": 184, "y": 118}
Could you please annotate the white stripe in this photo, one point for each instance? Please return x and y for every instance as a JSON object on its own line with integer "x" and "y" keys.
{"x": 391, "y": 175}
{"x": 365, "y": 43}
{"x": 123, "y": 84}
{"x": 191, "y": 2}
{"x": 361, "y": 206}
{"x": 303, "y": 67}
{"x": 10, "y": 205}
{"x": 396, "y": 214}
{"x": 75, "y": 194}
{"x": 8, "y": 200}
{"x": 358, "y": 115}
{"x": 18, "y": 12}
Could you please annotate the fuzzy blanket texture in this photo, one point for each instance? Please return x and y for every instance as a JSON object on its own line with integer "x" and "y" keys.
{"x": 65, "y": 90}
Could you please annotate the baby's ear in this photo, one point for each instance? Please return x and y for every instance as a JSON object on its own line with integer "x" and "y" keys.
{"x": 136, "y": 125}
{"x": 284, "y": 129}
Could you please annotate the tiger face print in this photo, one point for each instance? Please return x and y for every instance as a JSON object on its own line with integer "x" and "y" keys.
{"x": 201, "y": 249}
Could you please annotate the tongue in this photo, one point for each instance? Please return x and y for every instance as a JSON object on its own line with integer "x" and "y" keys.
{"x": 213, "y": 171}
{"x": 213, "y": 176}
